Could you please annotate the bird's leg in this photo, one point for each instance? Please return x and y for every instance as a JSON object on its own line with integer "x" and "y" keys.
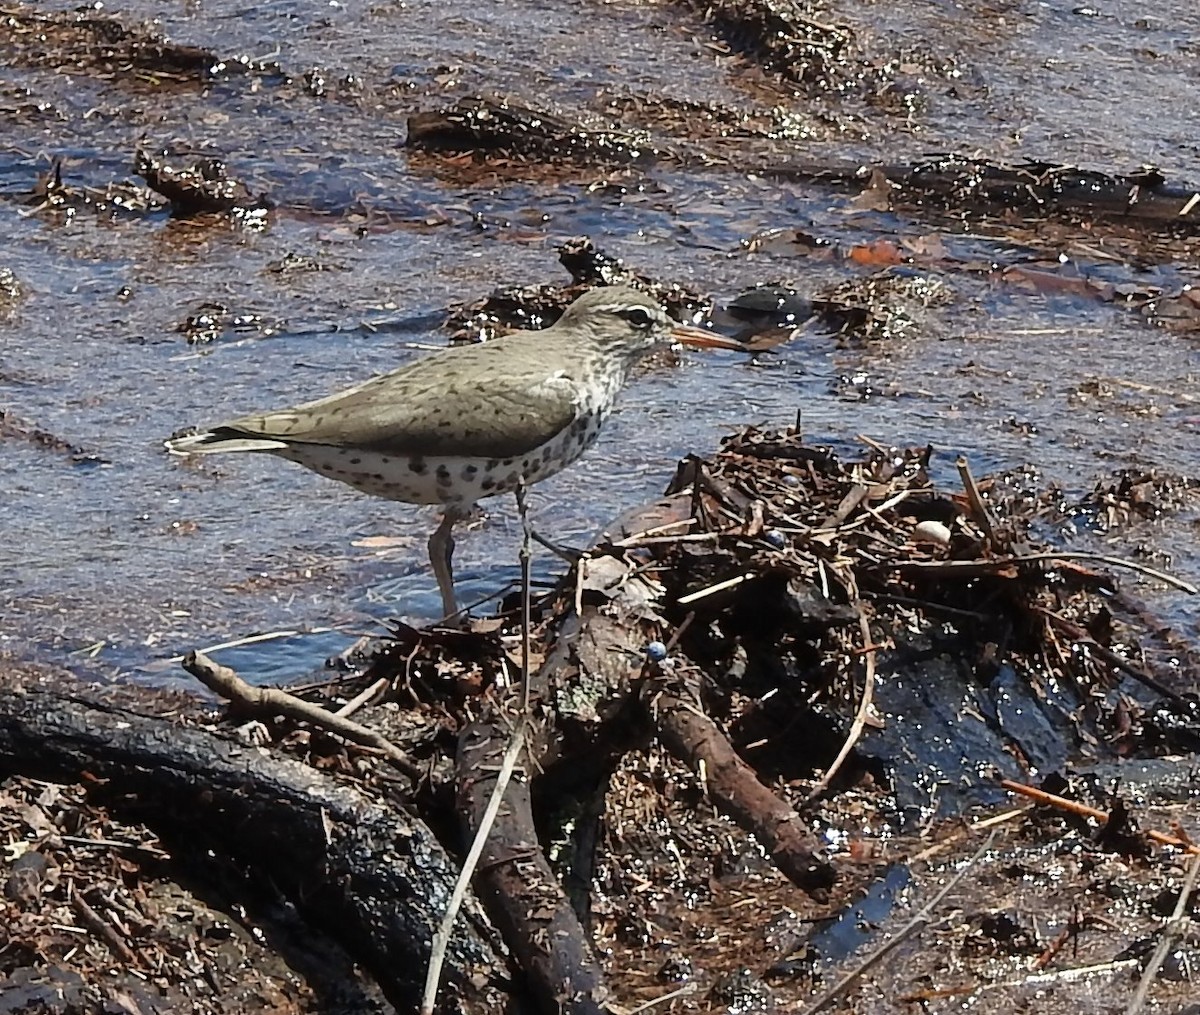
{"x": 526, "y": 557}
{"x": 441, "y": 553}
{"x": 527, "y": 534}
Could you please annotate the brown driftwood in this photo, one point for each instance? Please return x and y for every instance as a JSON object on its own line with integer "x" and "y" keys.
{"x": 270, "y": 701}
{"x": 608, "y": 640}
{"x": 594, "y": 673}
{"x": 372, "y": 875}
{"x": 522, "y": 892}
{"x": 733, "y": 786}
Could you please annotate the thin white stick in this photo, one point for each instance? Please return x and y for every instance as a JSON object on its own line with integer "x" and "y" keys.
{"x": 367, "y": 694}
{"x": 976, "y": 826}
{"x": 1172, "y": 931}
{"x": 915, "y": 925}
{"x": 254, "y": 639}
{"x": 654, "y": 1002}
{"x": 860, "y": 716}
{"x": 441, "y": 939}
{"x": 729, "y": 583}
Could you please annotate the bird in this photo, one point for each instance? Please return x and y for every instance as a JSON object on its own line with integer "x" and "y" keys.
{"x": 467, "y": 422}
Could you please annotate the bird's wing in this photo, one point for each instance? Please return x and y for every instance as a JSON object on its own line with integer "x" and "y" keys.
{"x": 484, "y": 401}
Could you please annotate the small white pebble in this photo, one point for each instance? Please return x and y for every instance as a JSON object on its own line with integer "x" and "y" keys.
{"x": 931, "y": 532}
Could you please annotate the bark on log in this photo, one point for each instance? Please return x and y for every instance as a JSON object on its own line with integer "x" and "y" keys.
{"x": 584, "y": 680}
{"x": 734, "y": 787}
{"x": 370, "y": 874}
{"x": 524, "y": 896}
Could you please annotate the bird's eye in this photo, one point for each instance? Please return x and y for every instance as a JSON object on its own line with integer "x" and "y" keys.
{"x": 638, "y": 317}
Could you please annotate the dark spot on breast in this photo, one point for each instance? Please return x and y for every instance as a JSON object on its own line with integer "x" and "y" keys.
{"x": 417, "y": 466}
{"x": 469, "y": 471}
{"x": 356, "y": 461}
{"x": 488, "y": 483}
{"x": 443, "y": 476}
{"x": 492, "y": 464}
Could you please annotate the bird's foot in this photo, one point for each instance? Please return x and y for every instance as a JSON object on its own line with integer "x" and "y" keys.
{"x": 567, "y": 553}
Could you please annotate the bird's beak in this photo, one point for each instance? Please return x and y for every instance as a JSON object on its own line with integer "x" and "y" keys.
{"x": 698, "y": 338}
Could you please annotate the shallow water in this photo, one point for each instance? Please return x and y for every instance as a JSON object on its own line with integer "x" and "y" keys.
{"x": 117, "y": 565}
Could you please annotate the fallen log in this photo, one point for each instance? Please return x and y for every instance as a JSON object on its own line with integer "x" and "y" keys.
{"x": 368, "y": 871}
{"x": 517, "y": 882}
{"x": 694, "y": 738}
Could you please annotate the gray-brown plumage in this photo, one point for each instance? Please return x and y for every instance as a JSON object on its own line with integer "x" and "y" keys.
{"x": 467, "y": 422}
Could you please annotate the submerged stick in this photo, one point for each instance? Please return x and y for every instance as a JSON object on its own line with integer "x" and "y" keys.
{"x": 1083, "y": 637}
{"x": 982, "y": 566}
{"x": 1083, "y": 810}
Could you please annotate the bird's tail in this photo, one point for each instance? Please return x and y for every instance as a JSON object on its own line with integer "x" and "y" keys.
{"x": 218, "y": 441}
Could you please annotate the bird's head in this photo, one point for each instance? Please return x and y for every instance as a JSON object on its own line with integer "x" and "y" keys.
{"x": 628, "y": 323}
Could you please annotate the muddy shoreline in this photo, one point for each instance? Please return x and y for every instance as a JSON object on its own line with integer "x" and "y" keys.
{"x": 932, "y": 655}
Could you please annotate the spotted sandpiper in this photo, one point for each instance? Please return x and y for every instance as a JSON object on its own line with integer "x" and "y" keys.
{"x": 468, "y": 422}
